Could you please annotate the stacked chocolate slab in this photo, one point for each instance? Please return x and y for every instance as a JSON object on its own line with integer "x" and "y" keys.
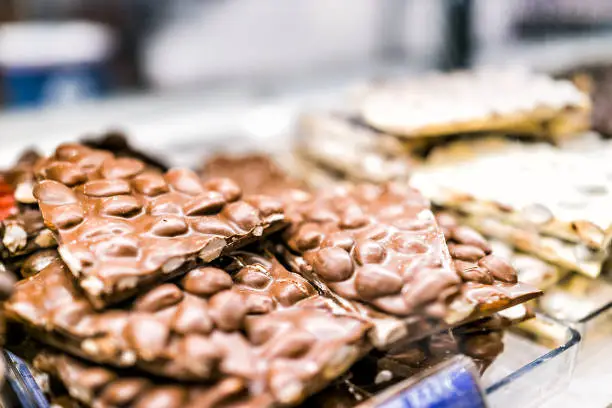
{"x": 503, "y": 150}
{"x": 238, "y": 286}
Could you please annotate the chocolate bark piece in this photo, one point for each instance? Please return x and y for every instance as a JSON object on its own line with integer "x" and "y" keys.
{"x": 495, "y": 100}
{"x": 381, "y": 245}
{"x": 123, "y": 227}
{"x": 206, "y": 328}
{"x": 102, "y": 387}
{"x": 387, "y": 328}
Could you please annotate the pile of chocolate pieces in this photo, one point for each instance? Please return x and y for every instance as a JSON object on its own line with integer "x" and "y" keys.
{"x": 237, "y": 285}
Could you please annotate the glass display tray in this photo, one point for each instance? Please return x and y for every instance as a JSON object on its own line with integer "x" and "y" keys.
{"x": 538, "y": 360}
{"x": 539, "y": 357}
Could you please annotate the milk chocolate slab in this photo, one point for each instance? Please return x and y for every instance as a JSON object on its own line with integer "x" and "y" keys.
{"x": 122, "y": 227}
{"x": 381, "y": 245}
{"x": 268, "y": 328}
{"x": 561, "y": 192}
{"x": 101, "y": 387}
{"x": 508, "y": 100}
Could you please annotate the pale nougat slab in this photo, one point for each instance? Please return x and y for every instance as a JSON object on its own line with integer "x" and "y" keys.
{"x": 565, "y": 192}
{"x": 512, "y": 100}
{"x": 343, "y": 144}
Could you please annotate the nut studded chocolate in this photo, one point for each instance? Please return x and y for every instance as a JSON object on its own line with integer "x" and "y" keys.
{"x": 205, "y": 328}
{"x": 104, "y": 388}
{"x": 122, "y": 227}
{"x": 381, "y": 245}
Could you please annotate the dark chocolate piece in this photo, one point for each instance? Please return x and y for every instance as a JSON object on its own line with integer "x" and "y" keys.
{"x": 382, "y": 246}
{"x": 24, "y": 233}
{"x": 378, "y": 371}
{"x": 123, "y": 228}
{"x": 118, "y": 144}
{"x": 206, "y": 328}
{"x": 21, "y": 177}
{"x": 321, "y": 223}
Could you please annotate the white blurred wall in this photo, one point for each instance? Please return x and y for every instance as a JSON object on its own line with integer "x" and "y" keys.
{"x": 220, "y": 39}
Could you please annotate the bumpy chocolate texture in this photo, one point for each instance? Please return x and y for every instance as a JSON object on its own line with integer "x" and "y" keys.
{"x": 254, "y": 173}
{"x": 104, "y": 388}
{"x": 122, "y": 227}
{"x": 204, "y": 328}
{"x": 381, "y": 245}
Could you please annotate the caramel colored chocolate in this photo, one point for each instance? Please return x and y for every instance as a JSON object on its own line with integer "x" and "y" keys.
{"x": 118, "y": 144}
{"x": 381, "y": 245}
{"x": 207, "y": 327}
{"x": 104, "y": 388}
{"x": 122, "y": 227}
{"x": 254, "y": 173}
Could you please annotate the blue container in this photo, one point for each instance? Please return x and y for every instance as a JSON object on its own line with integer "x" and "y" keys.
{"x": 25, "y": 87}
{"x": 53, "y": 63}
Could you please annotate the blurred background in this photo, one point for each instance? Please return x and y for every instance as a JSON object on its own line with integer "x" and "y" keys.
{"x": 161, "y": 66}
{"x": 64, "y": 51}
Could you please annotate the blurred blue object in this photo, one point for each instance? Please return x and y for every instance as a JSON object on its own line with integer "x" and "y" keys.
{"x": 453, "y": 384}
{"x": 53, "y": 63}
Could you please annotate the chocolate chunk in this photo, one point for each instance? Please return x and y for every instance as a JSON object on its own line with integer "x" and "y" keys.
{"x": 393, "y": 256}
{"x": 171, "y": 220}
{"x": 206, "y": 281}
{"x": 161, "y": 297}
{"x": 333, "y": 264}
{"x": 195, "y": 333}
